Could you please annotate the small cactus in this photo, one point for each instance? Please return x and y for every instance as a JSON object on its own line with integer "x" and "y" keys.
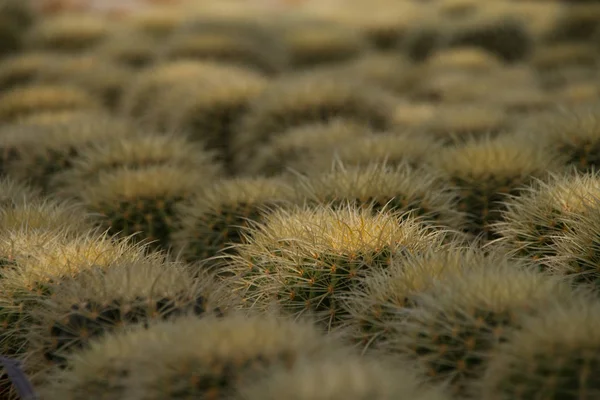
{"x": 342, "y": 378}
{"x": 100, "y": 302}
{"x": 307, "y": 99}
{"x": 298, "y": 146}
{"x": 307, "y": 259}
{"x": 129, "y": 48}
{"x": 188, "y": 356}
{"x": 376, "y": 309}
{"x": 22, "y": 68}
{"x": 533, "y": 221}
{"x": 136, "y": 152}
{"x": 400, "y": 188}
{"x": 459, "y": 320}
{"x": 141, "y": 201}
{"x": 539, "y": 361}
{"x": 215, "y": 218}
{"x": 22, "y": 101}
{"x": 487, "y": 170}
{"x": 51, "y": 148}
{"x": 67, "y": 33}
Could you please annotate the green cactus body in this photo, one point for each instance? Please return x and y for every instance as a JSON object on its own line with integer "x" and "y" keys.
{"x": 308, "y": 99}
{"x": 99, "y": 302}
{"x": 188, "y": 356}
{"x": 533, "y": 222}
{"x": 23, "y": 101}
{"x": 219, "y": 216}
{"x": 301, "y": 145}
{"x": 459, "y": 321}
{"x": 307, "y": 259}
{"x": 52, "y": 147}
{"x": 539, "y": 361}
{"x": 400, "y": 188}
{"x": 141, "y": 201}
{"x": 376, "y": 308}
{"x": 487, "y": 171}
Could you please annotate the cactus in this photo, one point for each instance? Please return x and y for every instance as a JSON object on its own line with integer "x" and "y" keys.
{"x": 157, "y": 22}
{"x": 67, "y": 33}
{"x": 299, "y": 146}
{"x": 578, "y": 22}
{"x": 487, "y": 170}
{"x": 306, "y": 259}
{"x": 36, "y": 259}
{"x": 392, "y": 148}
{"x": 102, "y": 79}
{"x": 342, "y": 378}
{"x": 152, "y": 82}
{"x": 541, "y": 361}
{"x": 216, "y": 217}
{"x": 470, "y": 59}
{"x": 458, "y": 321}
{"x": 574, "y": 132}
{"x": 188, "y": 356}
{"x": 459, "y": 122}
{"x": 50, "y": 148}
{"x": 231, "y": 47}
{"x": 507, "y": 37}
{"x": 312, "y": 42}
{"x": 376, "y": 309}
{"x": 556, "y": 56}
{"x": 15, "y": 193}
{"x": 532, "y": 222}
{"x": 577, "y": 248}
{"x": 101, "y": 302}
{"x": 129, "y": 48}
{"x": 141, "y": 201}
{"x": 25, "y": 100}
{"x": 39, "y": 213}
{"x": 22, "y": 68}
{"x": 210, "y": 110}
{"x": 400, "y": 188}
{"x": 306, "y": 99}
{"x": 136, "y": 152}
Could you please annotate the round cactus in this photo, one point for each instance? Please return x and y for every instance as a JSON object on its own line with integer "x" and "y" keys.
{"x": 299, "y": 146}
{"x": 15, "y": 193}
{"x": 50, "y": 148}
{"x": 312, "y": 42}
{"x": 215, "y": 218}
{"x": 232, "y": 47}
{"x": 22, "y": 68}
{"x": 158, "y": 22}
{"x": 140, "y": 201}
{"x": 102, "y": 79}
{"x": 574, "y": 132}
{"x": 540, "y": 361}
{"x": 467, "y": 58}
{"x": 392, "y": 148}
{"x": 188, "y": 356}
{"x": 68, "y": 33}
{"x": 128, "y": 47}
{"x": 306, "y": 259}
{"x": 210, "y": 110}
{"x": 151, "y": 83}
{"x": 26, "y": 100}
{"x": 100, "y": 302}
{"x": 400, "y": 188}
{"x": 306, "y": 99}
{"x": 376, "y": 309}
{"x": 39, "y": 213}
{"x": 459, "y": 320}
{"x": 35, "y": 260}
{"x": 455, "y": 122}
{"x": 533, "y": 221}
{"x": 136, "y": 152}
{"x": 577, "y": 248}
{"x": 342, "y": 378}
{"x": 487, "y": 170}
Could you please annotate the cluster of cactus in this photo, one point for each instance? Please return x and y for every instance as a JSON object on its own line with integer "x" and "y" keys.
{"x": 390, "y": 199}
